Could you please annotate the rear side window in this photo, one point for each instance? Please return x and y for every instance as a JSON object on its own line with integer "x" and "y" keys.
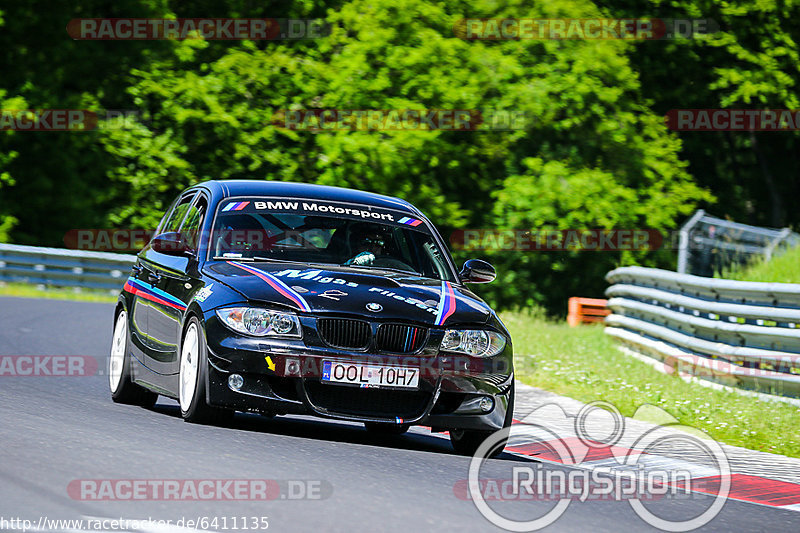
{"x": 193, "y": 221}
{"x": 178, "y": 213}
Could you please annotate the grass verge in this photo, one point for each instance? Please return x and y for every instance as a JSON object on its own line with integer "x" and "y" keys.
{"x": 30, "y": 291}
{"x": 583, "y": 363}
{"x": 783, "y": 268}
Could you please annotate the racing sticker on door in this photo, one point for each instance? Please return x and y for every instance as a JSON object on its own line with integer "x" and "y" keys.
{"x": 148, "y": 292}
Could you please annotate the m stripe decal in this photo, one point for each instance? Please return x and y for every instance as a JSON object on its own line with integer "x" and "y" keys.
{"x": 148, "y": 292}
{"x": 276, "y": 284}
{"x": 235, "y": 206}
{"x": 447, "y": 304}
{"x": 413, "y": 222}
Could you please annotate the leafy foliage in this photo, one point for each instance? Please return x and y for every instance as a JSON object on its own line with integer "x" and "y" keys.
{"x": 595, "y": 154}
{"x": 751, "y": 63}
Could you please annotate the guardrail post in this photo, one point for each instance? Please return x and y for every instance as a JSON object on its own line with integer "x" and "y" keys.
{"x": 683, "y": 248}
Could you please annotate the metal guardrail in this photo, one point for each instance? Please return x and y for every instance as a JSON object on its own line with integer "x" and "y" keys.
{"x": 735, "y": 333}
{"x": 708, "y": 244}
{"x": 64, "y": 268}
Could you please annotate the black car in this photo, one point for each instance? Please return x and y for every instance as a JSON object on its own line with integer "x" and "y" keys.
{"x": 280, "y": 298}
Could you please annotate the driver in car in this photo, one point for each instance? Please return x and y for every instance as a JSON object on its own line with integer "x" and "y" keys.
{"x": 367, "y": 244}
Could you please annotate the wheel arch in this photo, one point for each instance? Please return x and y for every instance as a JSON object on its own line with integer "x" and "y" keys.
{"x": 192, "y": 311}
{"x": 121, "y": 306}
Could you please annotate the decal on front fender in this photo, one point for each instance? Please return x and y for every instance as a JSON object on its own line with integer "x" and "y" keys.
{"x": 282, "y": 289}
{"x": 447, "y": 304}
{"x": 204, "y": 293}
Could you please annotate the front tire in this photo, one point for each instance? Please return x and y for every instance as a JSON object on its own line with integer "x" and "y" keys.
{"x": 467, "y": 441}
{"x": 123, "y": 389}
{"x": 193, "y": 379}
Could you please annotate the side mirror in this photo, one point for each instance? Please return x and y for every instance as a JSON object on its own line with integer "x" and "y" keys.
{"x": 170, "y": 243}
{"x": 477, "y": 271}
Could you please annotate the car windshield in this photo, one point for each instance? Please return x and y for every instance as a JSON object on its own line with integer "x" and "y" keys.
{"x": 345, "y": 235}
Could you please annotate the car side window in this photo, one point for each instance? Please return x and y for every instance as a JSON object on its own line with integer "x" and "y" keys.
{"x": 163, "y": 223}
{"x": 178, "y": 214}
{"x": 193, "y": 221}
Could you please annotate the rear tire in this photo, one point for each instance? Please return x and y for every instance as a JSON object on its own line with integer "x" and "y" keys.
{"x": 386, "y": 428}
{"x": 467, "y": 441}
{"x": 123, "y": 389}
{"x": 193, "y": 379}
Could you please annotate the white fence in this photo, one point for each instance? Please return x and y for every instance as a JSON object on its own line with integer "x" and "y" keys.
{"x": 734, "y": 333}
{"x": 710, "y": 244}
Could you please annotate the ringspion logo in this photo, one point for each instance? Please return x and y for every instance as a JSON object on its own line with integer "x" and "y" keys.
{"x": 606, "y": 459}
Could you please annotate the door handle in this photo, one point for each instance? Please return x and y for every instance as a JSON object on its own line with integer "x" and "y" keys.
{"x": 136, "y": 269}
{"x": 153, "y": 276}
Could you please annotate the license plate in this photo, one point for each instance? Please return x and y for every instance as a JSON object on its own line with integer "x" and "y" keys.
{"x": 366, "y": 375}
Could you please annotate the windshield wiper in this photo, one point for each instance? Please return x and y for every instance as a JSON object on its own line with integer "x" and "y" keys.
{"x": 386, "y": 269}
{"x": 256, "y": 258}
{"x": 274, "y": 260}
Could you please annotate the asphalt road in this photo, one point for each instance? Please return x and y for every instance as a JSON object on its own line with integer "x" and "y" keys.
{"x": 56, "y": 430}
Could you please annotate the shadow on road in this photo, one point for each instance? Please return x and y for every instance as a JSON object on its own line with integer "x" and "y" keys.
{"x": 306, "y": 427}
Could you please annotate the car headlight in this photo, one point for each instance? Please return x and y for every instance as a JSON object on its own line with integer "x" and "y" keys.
{"x": 474, "y": 342}
{"x": 260, "y": 322}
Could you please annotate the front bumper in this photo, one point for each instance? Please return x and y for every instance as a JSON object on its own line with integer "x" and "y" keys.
{"x": 283, "y": 377}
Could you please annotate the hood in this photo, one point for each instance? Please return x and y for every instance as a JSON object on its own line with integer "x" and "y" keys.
{"x": 371, "y": 293}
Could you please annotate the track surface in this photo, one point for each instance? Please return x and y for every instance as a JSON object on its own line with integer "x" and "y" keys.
{"x": 55, "y": 430}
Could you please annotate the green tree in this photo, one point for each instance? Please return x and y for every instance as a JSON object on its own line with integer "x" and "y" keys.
{"x": 594, "y": 155}
{"x": 59, "y": 178}
{"x": 752, "y": 62}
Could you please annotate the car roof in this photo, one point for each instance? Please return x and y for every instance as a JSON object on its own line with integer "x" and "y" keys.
{"x": 228, "y": 188}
